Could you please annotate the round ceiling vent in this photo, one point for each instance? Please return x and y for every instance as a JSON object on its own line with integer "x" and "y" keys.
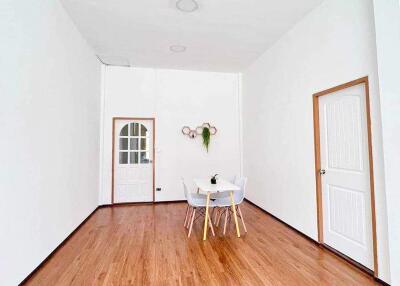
{"x": 187, "y": 5}
{"x": 177, "y": 48}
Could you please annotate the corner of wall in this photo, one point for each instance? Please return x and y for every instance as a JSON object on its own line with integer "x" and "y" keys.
{"x": 101, "y": 139}
{"x": 240, "y": 116}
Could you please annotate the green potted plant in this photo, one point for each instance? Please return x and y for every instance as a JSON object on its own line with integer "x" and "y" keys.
{"x": 206, "y": 135}
{"x": 214, "y": 179}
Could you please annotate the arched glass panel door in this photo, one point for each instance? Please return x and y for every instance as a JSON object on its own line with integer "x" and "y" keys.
{"x": 134, "y": 144}
{"x": 133, "y": 161}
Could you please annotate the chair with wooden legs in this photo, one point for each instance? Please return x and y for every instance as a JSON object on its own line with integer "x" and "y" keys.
{"x": 195, "y": 209}
{"x": 225, "y": 207}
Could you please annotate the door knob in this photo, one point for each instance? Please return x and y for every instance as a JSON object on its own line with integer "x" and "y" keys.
{"x": 322, "y": 172}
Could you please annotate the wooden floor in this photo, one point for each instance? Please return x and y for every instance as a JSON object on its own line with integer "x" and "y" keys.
{"x": 148, "y": 245}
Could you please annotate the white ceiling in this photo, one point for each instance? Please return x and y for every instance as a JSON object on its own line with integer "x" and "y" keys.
{"x": 222, "y": 35}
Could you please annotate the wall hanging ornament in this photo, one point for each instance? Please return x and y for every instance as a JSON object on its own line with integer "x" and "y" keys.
{"x": 189, "y": 132}
{"x": 205, "y": 130}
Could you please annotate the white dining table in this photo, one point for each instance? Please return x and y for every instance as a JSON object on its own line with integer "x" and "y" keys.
{"x": 204, "y": 186}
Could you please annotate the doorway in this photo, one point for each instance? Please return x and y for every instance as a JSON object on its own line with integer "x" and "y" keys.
{"x": 133, "y": 160}
{"x": 344, "y": 172}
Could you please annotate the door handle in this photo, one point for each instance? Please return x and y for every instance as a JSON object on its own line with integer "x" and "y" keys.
{"x": 322, "y": 172}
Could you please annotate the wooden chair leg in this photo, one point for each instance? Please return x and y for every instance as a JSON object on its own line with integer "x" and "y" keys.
{"x": 226, "y": 218}
{"x": 189, "y": 217}
{"x": 191, "y": 223}
{"x": 242, "y": 219}
{"x": 211, "y": 226}
{"x": 216, "y": 214}
{"x": 219, "y": 217}
{"x": 186, "y": 216}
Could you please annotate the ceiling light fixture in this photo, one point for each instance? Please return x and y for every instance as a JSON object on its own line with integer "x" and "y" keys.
{"x": 187, "y": 5}
{"x": 177, "y": 48}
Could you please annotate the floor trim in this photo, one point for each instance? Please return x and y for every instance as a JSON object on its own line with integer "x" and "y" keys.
{"x": 141, "y": 203}
{"x": 349, "y": 259}
{"x": 171, "y": 202}
{"x": 30, "y": 275}
{"x": 381, "y": 281}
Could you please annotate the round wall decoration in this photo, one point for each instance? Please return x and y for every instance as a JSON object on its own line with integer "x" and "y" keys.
{"x": 213, "y": 130}
{"x": 186, "y": 130}
{"x": 193, "y": 133}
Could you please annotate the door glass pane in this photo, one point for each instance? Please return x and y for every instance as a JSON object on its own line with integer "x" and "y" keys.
{"x": 144, "y": 157}
{"x": 123, "y": 143}
{"x": 134, "y": 143}
{"x": 143, "y": 131}
{"x": 134, "y": 129}
{"x": 133, "y": 159}
{"x": 124, "y": 131}
{"x": 143, "y": 143}
{"x": 123, "y": 157}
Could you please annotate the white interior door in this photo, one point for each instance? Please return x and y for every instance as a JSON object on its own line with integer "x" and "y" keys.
{"x": 346, "y": 194}
{"x": 133, "y": 161}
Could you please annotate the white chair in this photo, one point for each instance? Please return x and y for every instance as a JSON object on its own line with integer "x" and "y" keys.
{"x": 225, "y": 206}
{"x": 196, "y": 202}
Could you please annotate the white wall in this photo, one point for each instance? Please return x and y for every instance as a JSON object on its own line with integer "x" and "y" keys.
{"x": 387, "y": 22}
{"x": 49, "y": 126}
{"x": 175, "y": 99}
{"x": 333, "y": 44}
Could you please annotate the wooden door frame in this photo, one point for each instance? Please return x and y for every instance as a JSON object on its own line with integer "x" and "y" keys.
{"x": 114, "y": 119}
{"x": 363, "y": 80}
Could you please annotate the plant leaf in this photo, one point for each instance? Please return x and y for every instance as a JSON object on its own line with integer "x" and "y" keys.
{"x": 206, "y": 137}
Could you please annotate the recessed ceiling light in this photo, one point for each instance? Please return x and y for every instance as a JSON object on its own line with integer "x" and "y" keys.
{"x": 187, "y": 5}
{"x": 177, "y": 48}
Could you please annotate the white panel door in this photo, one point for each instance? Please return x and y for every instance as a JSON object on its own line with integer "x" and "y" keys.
{"x": 133, "y": 161}
{"x": 346, "y": 194}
